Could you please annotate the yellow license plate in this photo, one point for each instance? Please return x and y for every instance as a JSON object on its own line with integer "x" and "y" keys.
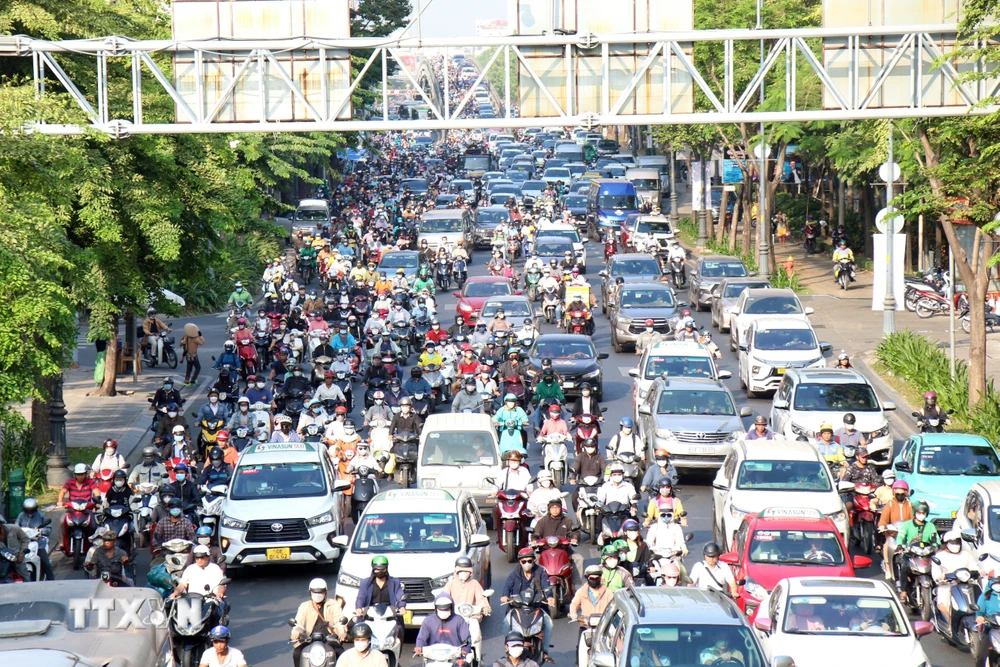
{"x": 780, "y": 371}
{"x": 954, "y": 514}
{"x": 279, "y": 554}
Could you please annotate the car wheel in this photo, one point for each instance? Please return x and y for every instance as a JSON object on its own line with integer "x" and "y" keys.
{"x": 732, "y": 341}
{"x": 716, "y": 533}
{"x": 715, "y": 322}
{"x": 615, "y": 344}
{"x": 743, "y": 385}
{"x": 722, "y": 328}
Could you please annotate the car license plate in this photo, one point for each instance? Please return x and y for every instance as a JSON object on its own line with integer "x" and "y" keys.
{"x": 703, "y": 450}
{"x": 954, "y": 514}
{"x": 779, "y": 371}
{"x": 567, "y": 385}
{"x": 279, "y": 554}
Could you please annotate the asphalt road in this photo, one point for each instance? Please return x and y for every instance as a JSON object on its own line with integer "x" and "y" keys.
{"x": 263, "y": 600}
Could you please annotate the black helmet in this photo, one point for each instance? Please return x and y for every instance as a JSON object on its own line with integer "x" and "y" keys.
{"x": 849, "y": 418}
{"x": 215, "y": 454}
{"x": 416, "y": 371}
{"x": 711, "y": 549}
{"x": 361, "y": 631}
{"x": 513, "y": 637}
{"x": 463, "y": 561}
{"x": 121, "y": 474}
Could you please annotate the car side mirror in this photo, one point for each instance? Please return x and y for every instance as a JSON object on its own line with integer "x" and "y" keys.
{"x": 340, "y": 541}
{"x": 763, "y": 624}
{"x": 644, "y": 410}
{"x": 457, "y": 294}
{"x": 903, "y": 466}
{"x": 603, "y": 660}
{"x": 692, "y": 273}
{"x": 752, "y": 273}
{"x": 888, "y": 405}
{"x": 746, "y": 411}
{"x": 825, "y": 347}
{"x": 342, "y": 485}
{"x": 730, "y": 558}
{"x": 725, "y": 375}
{"x": 478, "y": 541}
{"x": 969, "y": 535}
{"x": 743, "y": 348}
{"x": 845, "y": 487}
{"x": 809, "y": 310}
{"x": 632, "y": 373}
{"x": 603, "y": 274}
{"x": 734, "y": 311}
{"x": 781, "y": 660}
{"x": 780, "y": 404}
{"x": 921, "y": 628}
{"x": 603, "y": 355}
{"x": 861, "y": 562}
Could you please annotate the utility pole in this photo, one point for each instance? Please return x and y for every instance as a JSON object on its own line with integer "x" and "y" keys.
{"x": 702, "y": 223}
{"x": 889, "y": 302}
{"x": 673, "y": 188}
{"x": 763, "y": 228}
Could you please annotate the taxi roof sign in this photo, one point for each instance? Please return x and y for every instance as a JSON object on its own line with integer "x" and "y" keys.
{"x": 274, "y": 447}
{"x": 679, "y": 346}
{"x": 415, "y": 494}
{"x": 791, "y": 513}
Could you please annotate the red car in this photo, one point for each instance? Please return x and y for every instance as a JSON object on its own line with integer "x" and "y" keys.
{"x": 477, "y": 290}
{"x": 786, "y": 542}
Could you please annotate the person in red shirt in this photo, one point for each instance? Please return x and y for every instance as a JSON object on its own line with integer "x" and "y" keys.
{"x": 436, "y": 334}
{"x": 79, "y": 489}
{"x": 468, "y": 365}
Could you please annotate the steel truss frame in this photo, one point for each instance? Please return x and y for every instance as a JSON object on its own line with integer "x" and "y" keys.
{"x": 906, "y": 44}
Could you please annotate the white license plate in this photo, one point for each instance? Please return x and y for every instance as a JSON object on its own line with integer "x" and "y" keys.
{"x": 703, "y": 450}
{"x": 568, "y": 385}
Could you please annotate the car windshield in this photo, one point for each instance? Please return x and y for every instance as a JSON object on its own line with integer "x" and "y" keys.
{"x": 836, "y": 397}
{"x": 575, "y": 201}
{"x": 565, "y": 349}
{"x": 647, "y": 298}
{"x": 805, "y": 547}
{"x": 459, "y": 448}
{"x": 558, "y": 172}
{"x": 519, "y": 309}
{"x": 958, "y": 460}
{"x": 723, "y": 269}
{"x": 440, "y": 225}
{"x": 400, "y": 260}
{"x": 772, "y": 305}
{"x": 311, "y": 214}
{"x": 653, "y": 227}
{"x": 616, "y": 201}
{"x": 487, "y": 289}
{"x": 783, "y": 476}
{"x": 785, "y": 339}
{"x": 695, "y": 402}
{"x": 463, "y": 186}
{"x": 688, "y": 367}
{"x": 415, "y": 184}
{"x": 645, "y": 183}
{"x": 734, "y": 290}
{"x": 635, "y": 267}
{"x": 549, "y": 249}
{"x": 532, "y": 186}
{"x": 682, "y": 644}
{"x": 278, "y": 480}
{"x": 421, "y": 533}
{"x": 492, "y": 217}
{"x": 844, "y": 615}
{"x": 569, "y": 234}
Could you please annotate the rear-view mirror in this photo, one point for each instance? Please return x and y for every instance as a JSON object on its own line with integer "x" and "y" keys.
{"x": 888, "y": 405}
{"x": 780, "y": 404}
{"x": 340, "y": 541}
{"x": 603, "y": 355}
{"x": 478, "y": 541}
{"x": 809, "y": 310}
{"x": 725, "y": 375}
{"x": 825, "y": 347}
{"x": 921, "y": 628}
{"x": 632, "y": 373}
{"x": 730, "y": 558}
{"x": 644, "y": 410}
{"x": 746, "y": 412}
{"x": 763, "y": 624}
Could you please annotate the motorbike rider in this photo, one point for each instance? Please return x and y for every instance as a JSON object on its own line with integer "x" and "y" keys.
{"x": 217, "y": 472}
{"x": 515, "y": 476}
{"x": 81, "y": 488}
{"x": 284, "y": 432}
{"x": 647, "y": 338}
{"x": 592, "y": 599}
{"x": 205, "y": 578}
{"x": 665, "y": 501}
{"x": 152, "y": 326}
{"x": 917, "y": 529}
{"x": 676, "y": 251}
{"x": 313, "y": 414}
{"x": 626, "y": 440}
{"x": 896, "y": 511}
{"x": 711, "y": 574}
{"x": 589, "y": 463}
{"x": 165, "y": 426}
{"x": 830, "y": 449}
{"x": 526, "y": 332}
{"x": 31, "y": 517}
{"x": 444, "y": 627}
{"x": 554, "y": 425}
{"x": 380, "y": 588}
{"x": 463, "y": 588}
{"x": 430, "y": 355}
{"x": 436, "y": 334}
{"x": 883, "y": 494}
{"x": 616, "y": 489}
{"x": 110, "y": 558}
{"x": 241, "y": 416}
{"x": 760, "y": 430}
{"x": 480, "y": 336}
{"x": 586, "y": 403}
{"x": 848, "y": 435}
{"x": 663, "y": 469}
{"x": 416, "y": 384}
{"x": 239, "y": 299}
{"x": 177, "y": 446}
{"x": 109, "y": 458}
{"x": 378, "y": 409}
{"x": 861, "y": 472}
{"x": 547, "y": 390}
{"x": 514, "y": 647}
{"x": 556, "y": 522}
{"x": 361, "y": 654}
{"x": 530, "y": 577}
{"x": 406, "y": 420}
{"x": 638, "y": 553}
{"x": 931, "y": 410}
{"x": 459, "y": 328}
{"x": 499, "y": 323}
{"x": 184, "y": 488}
{"x": 166, "y": 395}
{"x": 686, "y": 331}
{"x": 468, "y": 399}
{"x": 328, "y": 391}
{"x": 510, "y": 411}
{"x": 319, "y": 613}
{"x": 213, "y": 409}
{"x": 952, "y": 556}
{"x": 119, "y": 493}
{"x": 843, "y": 252}
{"x": 665, "y": 537}
{"x": 229, "y": 357}
{"x": 612, "y": 574}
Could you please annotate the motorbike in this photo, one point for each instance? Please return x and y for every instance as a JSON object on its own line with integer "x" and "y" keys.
{"x": 554, "y": 457}
{"x": 472, "y": 615}
{"x": 845, "y": 272}
{"x": 613, "y": 515}
{"x": 78, "y": 527}
{"x": 209, "y": 435}
{"x": 992, "y": 320}
{"x": 531, "y": 280}
{"x": 460, "y": 272}
{"x": 577, "y": 322}
{"x": 810, "y": 239}
{"x": 375, "y": 384}
{"x": 930, "y": 303}
{"x": 262, "y": 341}
{"x": 550, "y": 304}
{"x": 439, "y": 388}
{"x": 36, "y": 541}
{"x": 442, "y": 274}
{"x": 211, "y": 506}
{"x": 512, "y": 436}
{"x": 118, "y": 520}
{"x": 915, "y": 561}
{"x": 441, "y": 655}
{"x": 511, "y": 517}
{"x": 586, "y": 639}
{"x": 586, "y": 426}
{"x": 104, "y": 480}
{"x": 405, "y": 449}
{"x": 294, "y": 403}
{"x": 164, "y": 577}
{"x": 630, "y": 462}
{"x": 677, "y": 272}
{"x": 962, "y": 630}
{"x": 189, "y": 634}
{"x": 588, "y": 509}
{"x": 319, "y": 649}
{"x": 610, "y": 246}
{"x": 863, "y": 517}
{"x": 526, "y": 617}
{"x": 169, "y": 353}
{"x": 260, "y": 418}
{"x": 144, "y": 501}
{"x": 929, "y": 425}
{"x": 365, "y": 488}
{"x": 990, "y": 634}
{"x": 386, "y": 634}
{"x": 554, "y": 558}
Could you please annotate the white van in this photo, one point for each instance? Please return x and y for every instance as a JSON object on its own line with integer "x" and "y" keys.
{"x": 647, "y": 184}
{"x": 457, "y": 453}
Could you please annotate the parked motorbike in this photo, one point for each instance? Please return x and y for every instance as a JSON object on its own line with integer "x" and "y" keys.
{"x": 554, "y": 558}
{"x": 931, "y": 303}
{"x": 78, "y": 527}
{"x": 554, "y": 457}
{"x": 992, "y": 320}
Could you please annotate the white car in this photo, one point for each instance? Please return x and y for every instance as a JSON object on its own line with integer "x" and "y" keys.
{"x": 758, "y": 474}
{"x": 422, "y": 532}
{"x": 652, "y": 234}
{"x": 283, "y": 506}
{"x": 980, "y": 513}
{"x": 821, "y": 621}
{"x": 459, "y": 452}
{"x": 754, "y": 303}
{"x": 773, "y": 344}
{"x": 567, "y": 232}
{"x": 675, "y": 358}
{"x": 807, "y": 398}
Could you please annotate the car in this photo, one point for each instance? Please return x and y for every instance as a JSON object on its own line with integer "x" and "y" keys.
{"x": 283, "y": 506}
{"x": 652, "y": 234}
{"x": 636, "y": 303}
{"x": 674, "y": 359}
{"x": 548, "y": 248}
{"x": 771, "y": 346}
{"x": 308, "y": 214}
{"x": 758, "y": 474}
{"x": 408, "y": 260}
{"x": 631, "y": 267}
{"x": 940, "y": 468}
{"x": 417, "y": 186}
{"x": 679, "y": 625}
{"x": 607, "y": 147}
{"x": 772, "y": 303}
{"x": 488, "y": 218}
{"x": 570, "y": 232}
{"x": 616, "y": 170}
{"x": 494, "y": 183}
{"x": 533, "y": 189}
{"x": 807, "y": 398}
{"x": 553, "y": 175}
{"x": 625, "y": 158}
{"x": 421, "y": 532}
{"x": 518, "y": 176}
{"x": 816, "y": 621}
{"x": 453, "y": 224}
{"x": 516, "y": 308}
{"x": 577, "y": 206}
{"x": 575, "y": 358}
{"x": 708, "y": 273}
{"x": 458, "y": 453}
{"x": 980, "y": 514}
{"x": 728, "y": 292}
{"x": 576, "y": 168}
{"x": 780, "y": 542}
{"x": 445, "y": 200}
{"x": 464, "y": 187}
{"x": 476, "y": 291}
{"x": 695, "y": 419}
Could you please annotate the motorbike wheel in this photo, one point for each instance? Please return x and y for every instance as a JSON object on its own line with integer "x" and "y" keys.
{"x": 975, "y": 642}
{"x": 594, "y": 529}
{"x": 926, "y": 308}
{"x": 508, "y": 543}
{"x": 926, "y": 604}
{"x": 170, "y": 357}
{"x": 78, "y": 558}
{"x": 910, "y": 301}
{"x": 557, "y": 478}
{"x": 966, "y": 325}
{"x": 187, "y": 658}
{"x": 867, "y": 537}
{"x": 149, "y": 360}
{"x": 844, "y": 279}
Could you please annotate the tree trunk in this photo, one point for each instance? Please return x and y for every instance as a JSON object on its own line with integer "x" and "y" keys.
{"x": 747, "y": 221}
{"x": 738, "y": 211}
{"x": 868, "y": 212}
{"x": 720, "y": 232}
{"x": 41, "y": 431}
{"x": 108, "y": 387}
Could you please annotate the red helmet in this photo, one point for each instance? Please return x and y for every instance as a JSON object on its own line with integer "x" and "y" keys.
{"x": 111, "y": 442}
{"x": 341, "y": 410}
{"x": 223, "y": 436}
{"x": 649, "y": 323}
{"x": 328, "y": 374}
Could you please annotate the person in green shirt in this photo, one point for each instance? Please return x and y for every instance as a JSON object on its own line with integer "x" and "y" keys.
{"x": 612, "y": 575}
{"x": 546, "y": 390}
{"x": 423, "y": 282}
{"x": 240, "y": 298}
{"x": 917, "y": 529}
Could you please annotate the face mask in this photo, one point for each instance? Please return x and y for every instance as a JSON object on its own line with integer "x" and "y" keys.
{"x": 239, "y": 289}
{"x": 514, "y": 465}
{"x": 297, "y": 374}
{"x": 545, "y": 483}
{"x": 464, "y": 576}
{"x": 611, "y": 563}
{"x": 996, "y": 588}
{"x": 632, "y": 534}
{"x": 616, "y": 478}
{"x": 213, "y": 399}
{"x": 953, "y": 547}
{"x": 119, "y": 484}
{"x": 381, "y": 575}
{"x": 109, "y": 451}
{"x": 900, "y": 497}
{"x": 515, "y": 651}
{"x": 175, "y": 511}
{"x": 178, "y": 437}
{"x": 361, "y": 647}
{"x": 205, "y": 540}
{"x": 260, "y": 385}
{"x": 661, "y": 462}
{"x": 317, "y": 597}
{"x": 594, "y": 582}
{"x": 920, "y": 516}
{"x": 405, "y": 409}
{"x": 586, "y": 392}
{"x": 444, "y": 615}
{"x": 590, "y": 450}
{"x": 284, "y": 326}
{"x": 649, "y": 329}
{"x": 378, "y": 401}
{"x": 171, "y": 414}
{"x": 527, "y": 566}
{"x": 848, "y": 427}
{"x": 181, "y": 477}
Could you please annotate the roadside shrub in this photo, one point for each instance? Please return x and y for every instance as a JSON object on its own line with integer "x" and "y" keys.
{"x": 19, "y": 452}
{"x": 782, "y": 280}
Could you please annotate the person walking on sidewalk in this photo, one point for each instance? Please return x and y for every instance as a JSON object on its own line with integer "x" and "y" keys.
{"x": 190, "y": 343}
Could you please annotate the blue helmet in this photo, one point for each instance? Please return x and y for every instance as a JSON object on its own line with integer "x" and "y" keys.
{"x": 491, "y": 339}
{"x": 204, "y": 530}
{"x": 219, "y": 633}
{"x": 627, "y": 421}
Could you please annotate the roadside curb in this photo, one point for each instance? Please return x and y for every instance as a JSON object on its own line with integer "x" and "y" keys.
{"x": 901, "y": 415}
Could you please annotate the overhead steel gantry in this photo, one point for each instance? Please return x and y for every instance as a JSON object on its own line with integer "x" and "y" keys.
{"x": 589, "y": 80}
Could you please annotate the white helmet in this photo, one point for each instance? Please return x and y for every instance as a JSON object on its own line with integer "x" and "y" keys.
{"x": 544, "y": 474}
{"x": 951, "y": 536}
{"x": 282, "y": 419}
{"x": 80, "y": 469}
{"x": 317, "y": 585}
{"x": 177, "y": 430}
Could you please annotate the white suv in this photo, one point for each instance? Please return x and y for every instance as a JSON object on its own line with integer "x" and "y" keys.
{"x": 767, "y": 302}
{"x": 675, "y": 358}
{"x": 771, "y": 346}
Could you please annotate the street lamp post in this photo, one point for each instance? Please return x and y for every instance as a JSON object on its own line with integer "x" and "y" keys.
{"x": 673, "y": 188}
{"x": 58, "y": 463}
{"x": 702, "y": 221}
{"x": 889, "y": 302}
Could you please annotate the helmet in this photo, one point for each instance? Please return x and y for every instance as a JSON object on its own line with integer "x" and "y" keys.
{"x": 900, "y": 484}
{"x": 664, "y": 482}
{"x": 111, "y": 442}
{"x": 649, "y": 323}
{"x": 509, "y": 397}
{"x": 148, "y": 453}
{"x": 930, "y": 396}
{"x": 29, "y": 505}
{"x": 630, "y": 524}
{"x": 842, "y": 356}
{"x": 826, "y": 427}
{"x": 544, "y": 474}
{"x": 241, "y": 320}
{"x": 317, "y": 585}
{"x": 219, "y": 633}
{"x": 711, "y": 549}
{"x": 760, "y": 419}
{"x": 120, "y": 474}
{"x": 627, "y": 422}
{"x": 592, "y": 571}
{"x": 526, "y": 552}
{"x": 380, "y": 562}
{"x": 215, "y": 454}
{"x": 513, "y": 454}
{"x": 463, "y": 562}
{"x": 361, "y": 631}
{"x": 849, "y": 418}
{"x": 443, "y": 602}
{"x": 889, "y": 474}
{"x": 616, "y": 467}
{"x": 80, "y": 469}
{"x": 620, "y": 545}
{"x": 609, "y": 551}
{"x": 204, "y": 530}
{"x": 671, "y": 570}
{"x": 513, "y": 638}
{"x": 661, "y": 453}
{"x": 921, "y": 506}
{"x": 951, "y": 536}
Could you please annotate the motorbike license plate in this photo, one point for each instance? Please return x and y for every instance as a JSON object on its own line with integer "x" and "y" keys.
{"x": 283, "y": 553}
{"x": 567, "y": 385}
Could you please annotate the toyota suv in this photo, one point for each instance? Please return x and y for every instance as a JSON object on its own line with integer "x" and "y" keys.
{"x": 637, "y": 303}
{"x": 283, "y": 506}
{"x": 707, "y": 275}
{"x": 694, "y": 419}
{"x": 807, "y": 398}
{"x": 675, "y": 359}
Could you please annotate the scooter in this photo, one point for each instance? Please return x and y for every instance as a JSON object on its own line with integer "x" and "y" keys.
{"x": 630, "y": 462}
{"x": 473, "y": 615}
{"x": 169, "y": 354}
{"x": 260, "y": 418}
{"x": 554, "y": 457}
{"x": 929, "y": 425}
{"x": 36, "y": 541}
{"x": 460, "y": 272}
{"x": 610, "y": 246}
{"x": 586, "y": 639}
{"x": 365, "y": 488}
{"x": 677, "y": 272}
{"x": 386, "y": 634}
{"x": 211, "y": 506}
{"x": 511, "y": 518}
{"x": 550, "y": 303}
{"x": 962, "y": 630}
{"x": 405, "y": 450}
{"x": 526, "y": 616}
{"x": 78, "y": 526}
{"x": 810, "y": 239}
{"x": 587, "y": 427}
{"x": 434, "y": 377}
{"x": 443, "y": 275}
{"x": 144, "y": 501}
{"x": 554, "y": 558}
{"x": 189, "y": 634}
{"x": 118, "y": 521}
{"x": 863, "y": 518}
{"x": 588, "y": 509}
{"x": 164, "y": 577}
{"x": 991, "y": 635}
{"x": 845, "y": 273}
{"x": 319, "y": 649}
{"x": 577, "y": 322}
{"x": 916, "y": 577}
{"x": 531, "y": 280}
{"x": 613, "y": 516}
{"x": 208, "y": 437}
{"x": 8, "y": 567}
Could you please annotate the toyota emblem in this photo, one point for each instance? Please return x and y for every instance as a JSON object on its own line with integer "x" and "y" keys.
{"x": 277, "y": 527}
{"x": 702, "y": 436}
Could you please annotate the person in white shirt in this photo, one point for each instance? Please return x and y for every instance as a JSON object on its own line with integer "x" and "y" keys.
{"x": 711, "y": 574}
{"x": 514, "y": 476}
{"x": 616, "y": 489}
{"x": 203, "y": 577}
{"x": 953, "y": 555}
{"x": 313, "y": 414}
{"x": 109, "y": 459}
{"x": 665, "y": 538}
{"x": 626, "y": 441}
{"x": 538, "y": 501}
{"x": 221, "y": 655}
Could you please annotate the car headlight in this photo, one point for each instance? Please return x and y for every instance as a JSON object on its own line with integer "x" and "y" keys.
{"x": 734, "y": 436}
{"x": 624, "y": 321}
{"x": 592, "y": 374}
{"x": 838, "y": 517}
{"x": 643, "y": 393}
{"x": 801, "y": 430}
{"x": 319, "y": 520}
{"x": 466, "y": 307}
{"x": 755, "y": 369}
{"x": 817, "y": 363}
{"x": 736, "y": 512}
{"x": 345, "y": 579}
{"x": 753, "y": 589}
{"x": 235, "y": 524}
{"x": 442, "y": 581}
{"x": 881, "y": 432}
{"x": 428, "y": 483}
{"x": 664, "y": 433}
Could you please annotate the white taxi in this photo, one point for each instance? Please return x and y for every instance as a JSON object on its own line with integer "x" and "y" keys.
{"x": 760, "y": 474}
{"x": 422, "y": 532}
{"x": 675, "y": 358}
{"x": 860, "y": 621}
{"x": 283, "y": 506}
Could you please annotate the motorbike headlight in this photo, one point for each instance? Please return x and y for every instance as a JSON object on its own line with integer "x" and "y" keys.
{"x": 664, "y": 433}
{"x": 319, "y": 520}
{"x": 389, "y": 644}
{"x": 345, "y": 579}
{"x": 753, "y": 589}
{"x": 881, "y": 432}
{"x": 235, "y": 524}
{"x": 592, "y": 374}
{"x": 801, "y": 430}
{"x": 838, "y": 517}
{"x": 428, "y": 483}
{"x": 317, "y": 654}
{"x": 441, "y": 581}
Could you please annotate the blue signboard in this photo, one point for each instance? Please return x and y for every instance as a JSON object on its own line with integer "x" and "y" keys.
{"x": 731, "y": 172}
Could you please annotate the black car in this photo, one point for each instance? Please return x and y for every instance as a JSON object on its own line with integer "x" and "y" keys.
{"x": 488, "y": 218}
{"x": 576, "y": 205}
{"x": 575, "y": 358}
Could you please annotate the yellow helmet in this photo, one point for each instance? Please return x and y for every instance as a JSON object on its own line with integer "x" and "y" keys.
{"x": 318, "y": 243}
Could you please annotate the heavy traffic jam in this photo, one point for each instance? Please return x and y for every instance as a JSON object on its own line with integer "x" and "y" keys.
{"x": 417, "y": 394}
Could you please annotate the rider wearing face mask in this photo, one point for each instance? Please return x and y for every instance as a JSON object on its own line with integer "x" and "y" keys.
{"x": 406, "y": 419}
{"x": 319, "y": 613}
{"x": 468, "y": 399}
{"x": 591, "y": 599}
{"x": 626, "y": 440}
{"x": 917, "y": 529}
{"x": 612, "y": 574}
{"x": 586, "y": 403}
{"x": 184, "y": 489}
{"x": 952, "y": 556}
{"x": 529, "y": 577}
{"x": 165, "y": 426}
{"x": 109, "y": 458}
{"x": 848, "y": 435}
{"x": 444, "y": 627}
{"x": 380, "y": 588}
{"x": 362, "y": 654}
{"x": 647, "y": 338}
{"x": 515, "y": 475}
{"x": 896, "y": 511}
{"x": 464, "y": 589}
{"x": 514, "y": 645}
{"x": 174, "y": 526}
{"x": 616, "y": 489}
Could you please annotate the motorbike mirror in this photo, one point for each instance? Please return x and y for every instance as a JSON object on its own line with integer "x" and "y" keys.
{"x": 983, "y": 557}
{"x": 291, "y": 622}
{"x": 488, "y": 592}
{"x": 603, "y": 410}
{"x": 688, "y": 537}
{"x": 861, "y": 562}
{"x": 213, "y": 358}
{"x": 935, "y": 560}
{"x": 915, "y": 414}
{"x": 150, "y": 400}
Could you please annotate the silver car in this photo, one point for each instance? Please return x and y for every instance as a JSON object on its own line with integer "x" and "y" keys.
{"x": 637, "y": 303}
{"x": 695, "y": 420}
{"x": 727, "y": 294}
